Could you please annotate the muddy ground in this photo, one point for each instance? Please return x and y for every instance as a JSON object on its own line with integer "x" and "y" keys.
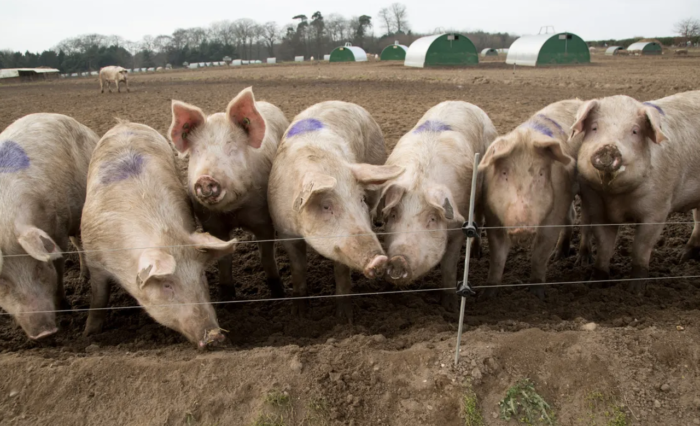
{"x": 640, "y": 365}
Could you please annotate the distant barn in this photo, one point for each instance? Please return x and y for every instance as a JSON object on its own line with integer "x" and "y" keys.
{"x": 612, "y": 50}
{"x": 548, "y": 49}
{"x": 348, "y": 53}
{"x": 441, "y": 50}
{"x": 28, "y": 74}
{"x": 489, "y": 51}
{"x": 394, "y": 52}
{"x": 645, "y": 48}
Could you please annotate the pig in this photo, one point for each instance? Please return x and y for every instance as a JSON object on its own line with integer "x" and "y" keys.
{"x": 327, "y": 172}
{"x": 529, "y": 185}
{"x": 432, "y": 196}
{"x": 114, "y": 74}
{"x": 639, "y": 162}
{"x": 138, "y": 230}
{"x": 230, "y": 156}
{"x": 43, "y": 173}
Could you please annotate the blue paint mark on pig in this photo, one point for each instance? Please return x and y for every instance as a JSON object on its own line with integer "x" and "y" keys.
{"x": 549, "y": 120}
{"x": 433, "y": 126}
{"x": 658, "y": 108}
{"x": 125, "y": 167}
{"x": 539, "y": 128}
{"x": 305, "y": 126}
{"x": 13, "y": 158}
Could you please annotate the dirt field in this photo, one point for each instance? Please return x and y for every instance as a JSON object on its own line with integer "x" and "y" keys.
{"x": 639, "y": 366}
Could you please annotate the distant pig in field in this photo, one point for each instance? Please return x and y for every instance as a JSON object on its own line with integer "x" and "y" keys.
{"x": 43, "y": 172}
{"x": 638, "y": 163}
{"x": 230, "y": 157}
{"x": 529, "y": 188}
{"x": 138, "y": 230}
{"x": 432, "y": 195}
{"x": 322, "y": 183}
{"x": 114, "y": 74}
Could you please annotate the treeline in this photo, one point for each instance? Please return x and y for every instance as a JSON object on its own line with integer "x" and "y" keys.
{"x": 665, "y": 41}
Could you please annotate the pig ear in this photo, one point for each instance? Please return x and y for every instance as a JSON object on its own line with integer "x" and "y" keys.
{"x": 38, "y": 244}
{"x": 581, "y": 116}
{"x": 653, "y": 119}
{"x": 392, "y": 197}
{"x": 154, "y": 263}
{"x": 209, "y": 244}
{"x": 186, "y": 118}
{"x": 242, "y": 112}
{"x": 553, "y": 148}
{"x": 373, "y": 177}
{"x": 501, "y": 148}
{"x": 441, "y": 198}
{"x": 314, "y": 183}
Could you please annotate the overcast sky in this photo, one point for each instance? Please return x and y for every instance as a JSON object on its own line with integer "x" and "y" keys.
{"x": 36, "y": 25}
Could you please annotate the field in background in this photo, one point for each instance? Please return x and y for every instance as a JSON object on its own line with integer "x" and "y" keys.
{"x": 394, "y": 365}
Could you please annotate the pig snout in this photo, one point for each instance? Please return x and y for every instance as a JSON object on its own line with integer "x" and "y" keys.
{"x": 399, "y": 270}
{"x": 211, "y": 337}
{"x": 521, "y": 230}
{"x": 208, "y": 190}
{"x": 376, "y": 267}
{"x": 607, "y": 159}
{"x": 37, "y": 326}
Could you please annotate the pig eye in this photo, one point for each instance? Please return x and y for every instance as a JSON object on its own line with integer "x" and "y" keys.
{"x": 364, "y": 200}
{"x": 634, "y": 131}
{"x": 594, "y": 127}
{"x": 168, "y": 287}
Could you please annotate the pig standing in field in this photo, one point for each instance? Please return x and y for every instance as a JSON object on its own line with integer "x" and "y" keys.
{"x": 138, "y": 230}
{"x": 322, "y": 182}
{"x": 432, "y": 195}
{"x": 638, "y": 163}
{"x": 528, "y": 189}
{"x": 43, "y": 172}
{"x": 230, "y": 156}
{"x": 114, "y": 74}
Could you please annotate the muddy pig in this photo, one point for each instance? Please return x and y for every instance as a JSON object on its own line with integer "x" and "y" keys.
{"x": 529, "y": 185}
{"x": 138, "y": 230}
{"x": 327, "y": 170}
{"x": 43, "y": 172}
{"x": 638, "y": 163}
{"x": 230, "y": 156}
{"x": 432, "y": 195}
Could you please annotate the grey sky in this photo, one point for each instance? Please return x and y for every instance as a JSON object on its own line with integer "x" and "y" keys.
{"x": 40, "y": 24}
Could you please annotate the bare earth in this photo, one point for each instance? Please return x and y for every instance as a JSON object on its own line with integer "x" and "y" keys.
{"x": 394, "y": 365}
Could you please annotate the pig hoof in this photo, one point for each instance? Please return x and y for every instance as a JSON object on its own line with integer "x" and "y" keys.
{"x": 227, "y": 292}
{"x": 488, "y": 293}
{"x": 344, "y": 311}
{"x": 300, "y": 308}
{"x": 637, "y": 287}
{"x": 561, "y": 253}
{"x": 584, "y": 259}
{"x": 398, "y": 269}
{"x": 690, "y": 253}
{"x": 376, "y": 267}
{"x": 276, "y": 288}
{"x": 450, "y": 302}
{"x": 538, "y": 291}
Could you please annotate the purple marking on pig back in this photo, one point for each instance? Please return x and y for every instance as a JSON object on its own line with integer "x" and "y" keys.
{"x": 305, "y": 126}
{"x": 658, "y": 108}
{"x": 549, "y": 120}
{"x": 125, "y": 167}
{"x": 433, "y": 126}
{"x": 12, "y": 157}
{"x": 539, "y": 127}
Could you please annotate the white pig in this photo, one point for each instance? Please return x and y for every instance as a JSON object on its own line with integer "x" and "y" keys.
{"x": 638, "y": 163}
{"x": 432, "y": 196}
{"x": 138, "y": 230}
{"x": 230, "y": 156}
{"x": 43, "y": 172}
{"x": 114, "y": 74}
{"x": 327, "y": 168}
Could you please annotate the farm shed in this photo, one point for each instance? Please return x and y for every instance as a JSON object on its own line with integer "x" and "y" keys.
{"x": 489, "y": 51}
{"x": 612, "y": 50}
{"x": 348, "y": 53}
{"x": 394, "y": 52}
{"x": 548, "y": 49}
{"x": 441, "y": 50}
{"x": 645, "y": 48}
{"x": 27, "y": 74}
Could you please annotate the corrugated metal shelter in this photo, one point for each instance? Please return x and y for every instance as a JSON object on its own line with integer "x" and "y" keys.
{"x": 441, "y": 50}
{"x": 348, "y": 53}
{"x": 645, "y": 48}
{"x": 394, "y": 52}
{"x": 271, "y": 60}
{"x": 489, "y": 51}
{"x": 28, "y": 74}
{"x": 548, "y": 49}
{"x": 612, "y": 50}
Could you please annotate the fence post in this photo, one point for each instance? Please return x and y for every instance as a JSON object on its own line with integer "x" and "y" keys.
{"x": 470, "y": 229}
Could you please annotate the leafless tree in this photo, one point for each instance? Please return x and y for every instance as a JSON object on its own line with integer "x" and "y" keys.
{"x": 400, "y": 14}
{"x": 147, "y": 43}
{"x": 688, "y": 28}
{"x": 335, "y": 26}
{"x": 196, "y": 36}
{"x": 161, "y": 43}
{"x": 223, "y": 31}
{"x": 271, "y": 33}
{"x": 387, "y": 20}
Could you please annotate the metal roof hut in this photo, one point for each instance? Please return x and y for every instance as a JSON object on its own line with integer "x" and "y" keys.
{"x": 489, "y": 51}
{"x": 612, "y": 50}
{"x": 394, "y": 52}
{"x": 645, "y": 48}
{"x": 548, "y": 49}
{"x": 449, "y": 49}
{"x": 28, "y": 74}
{"x": 348, "y": 53}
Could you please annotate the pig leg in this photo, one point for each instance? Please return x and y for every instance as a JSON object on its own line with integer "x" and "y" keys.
{"x": 84, "y": 273}
{"x": 545, "y": 242}
{"x": 692, "y": 249}
{"x": 499, "y": 246}
{"x": 117, "y": 83}
{"x": 61, "y": 302}
{"x": 448, "y": 299}
{"x": 227, "y": 288}
{"x": 126, "y": 82}
{"x": 563, "y": 249}
{"x": 296, "y": 250}
{"x": 645, "y": 239}
{"x": 99, "y": 286}
{"x": 267, "y": 258}
{"x": 585, "y": 258}
{"x": 343, "y": 285}
{"x": 102, "y": 89}
{"x": 605, "y": 237}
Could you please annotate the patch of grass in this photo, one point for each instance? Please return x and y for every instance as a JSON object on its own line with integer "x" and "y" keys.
{"x": 616, "y": 417}
{"x": 277, "y": 399}
{"x": 269, "y": 420}
{"x": 317, "y": 413}
{"x": 523, "y": 403}
{"x": 605, "y": 411}
{"x": 470, "y": 410}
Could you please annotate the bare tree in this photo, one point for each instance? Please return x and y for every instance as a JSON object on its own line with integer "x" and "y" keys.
{"x": 244, "y": 30}
{"x": 400, "y": 14}
{"x": 387, "y": 19}
{"x": 336, "y": 27}
{"x": 688, "y": 28}
{"x": 196, "y": 36}
{"x": 271, "y": 33}
{"x": 161, "y": 43}
{"x": 147, "y": 43}
{"x": 222, "y": 31}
